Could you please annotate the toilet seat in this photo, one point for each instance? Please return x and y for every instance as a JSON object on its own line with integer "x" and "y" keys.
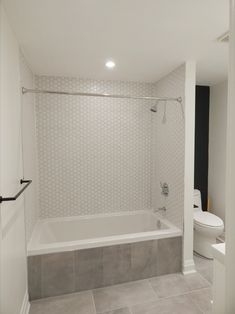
{"x": 207, "y": 219}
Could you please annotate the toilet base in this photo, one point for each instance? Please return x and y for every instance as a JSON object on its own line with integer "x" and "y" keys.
{"x": 202, "y": 244}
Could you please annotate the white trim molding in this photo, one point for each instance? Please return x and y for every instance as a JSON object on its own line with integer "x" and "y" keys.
{"x": 188, "y": 267}
{"x": 25, "y": 305}
{"x": 190, "y": 83}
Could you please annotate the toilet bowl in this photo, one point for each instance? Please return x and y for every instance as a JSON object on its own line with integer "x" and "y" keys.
{"x": 207, "y": 227}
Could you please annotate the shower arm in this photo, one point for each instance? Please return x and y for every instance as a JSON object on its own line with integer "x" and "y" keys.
{"x": 53, "y": 92}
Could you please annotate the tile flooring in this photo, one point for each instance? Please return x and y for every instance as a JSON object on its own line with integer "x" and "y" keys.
{"x": 173, "y": 294}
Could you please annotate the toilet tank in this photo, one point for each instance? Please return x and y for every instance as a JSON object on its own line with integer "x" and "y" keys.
{"x": 197, "y": 200}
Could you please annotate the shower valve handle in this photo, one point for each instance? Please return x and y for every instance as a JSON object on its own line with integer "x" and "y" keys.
{"x": 165, "y": 188}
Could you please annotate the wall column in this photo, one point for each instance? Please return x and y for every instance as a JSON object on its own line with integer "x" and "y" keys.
{"x": 190, "y": 83}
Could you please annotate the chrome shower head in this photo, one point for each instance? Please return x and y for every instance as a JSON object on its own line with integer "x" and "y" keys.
{"x": 154, "y": 107}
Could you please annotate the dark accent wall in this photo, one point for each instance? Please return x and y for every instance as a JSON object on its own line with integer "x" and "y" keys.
{"x": 202, "y": 142}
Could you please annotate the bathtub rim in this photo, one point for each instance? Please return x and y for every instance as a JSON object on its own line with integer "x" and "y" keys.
{"x": 59, "y": 247}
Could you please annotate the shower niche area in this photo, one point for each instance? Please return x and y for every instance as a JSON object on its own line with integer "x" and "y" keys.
{"x": 96, "y": 213}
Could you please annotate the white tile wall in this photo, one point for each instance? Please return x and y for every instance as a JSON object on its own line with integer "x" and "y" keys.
{"x": 29, "y": 147}
{"x": 104, "y": 155}
{"x": 94, "y": 153}
{"x": 168, "y": 147}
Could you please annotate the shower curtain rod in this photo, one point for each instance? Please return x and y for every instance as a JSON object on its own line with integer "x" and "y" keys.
{"x": 44, "y": 91}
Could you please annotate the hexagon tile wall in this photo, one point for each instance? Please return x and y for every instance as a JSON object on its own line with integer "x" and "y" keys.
{"x": 168, "y": 140}
{"x": 101, "y": 155}
{"x": 94, "y": 153}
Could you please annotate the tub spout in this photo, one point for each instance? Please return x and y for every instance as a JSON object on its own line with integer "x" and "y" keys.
{"x": 160, "y": 209}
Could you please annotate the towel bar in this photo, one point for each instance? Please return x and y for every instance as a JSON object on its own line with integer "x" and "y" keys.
{"x": 13, "y": 198}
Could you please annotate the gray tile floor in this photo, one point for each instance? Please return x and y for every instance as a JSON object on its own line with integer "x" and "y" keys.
{"x": 173, "y": 294}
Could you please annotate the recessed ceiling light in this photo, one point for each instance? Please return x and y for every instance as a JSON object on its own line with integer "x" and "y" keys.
{"x": 110, "y": 64}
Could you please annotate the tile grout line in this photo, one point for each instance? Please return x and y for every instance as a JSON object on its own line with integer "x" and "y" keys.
{"x": 166, "y": 298}
{"x": 195, "y": 303}
{"x": 134, "y": 304}
{"x": 157, "y": 300}
{"x": 186, "y": 292}
{"x": 130, "y": 310}
{"x": 174, "y": 296}
{"x": 204, "y": 278}
{"x": 121, "y": 284}
{"x": 152, "y": 287}
{"x": 141, "y": 303}
{"x": 74, "y": 271}
{"x": 93, "y": 301}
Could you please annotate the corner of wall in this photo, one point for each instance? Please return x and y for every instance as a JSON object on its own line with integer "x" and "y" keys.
{"x": 188, "y": 267}
{"x": 25, "y": 304}
{"x": 167, "y": 141}
{"x": 190, "y": 83}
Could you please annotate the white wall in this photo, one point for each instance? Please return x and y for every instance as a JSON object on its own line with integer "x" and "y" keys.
{"x": 173, "y": 153}
{"x": 168, "y": 146}
{"x": 217, "y": 148}
{"x": 13, "y": 250}
{"x": 190, "y": 85}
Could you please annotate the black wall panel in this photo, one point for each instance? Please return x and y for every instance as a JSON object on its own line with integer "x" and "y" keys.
{"x": 202, "y": 142}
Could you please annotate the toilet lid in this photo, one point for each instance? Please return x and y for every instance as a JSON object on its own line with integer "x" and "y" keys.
{"x": 207, "y": 219}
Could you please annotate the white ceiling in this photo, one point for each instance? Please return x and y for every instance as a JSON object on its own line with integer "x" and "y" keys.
{"x": 146, "y": 38}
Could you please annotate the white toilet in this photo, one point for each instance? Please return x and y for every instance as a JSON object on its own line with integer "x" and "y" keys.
{"x": 207, "y": 227}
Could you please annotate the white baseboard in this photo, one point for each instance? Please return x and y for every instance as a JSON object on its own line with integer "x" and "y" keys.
{"x": 25, "y": 305}
{"x": 189, "y": 267}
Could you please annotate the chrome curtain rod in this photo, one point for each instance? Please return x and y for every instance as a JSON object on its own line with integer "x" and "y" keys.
{"x": 51, "y": 92}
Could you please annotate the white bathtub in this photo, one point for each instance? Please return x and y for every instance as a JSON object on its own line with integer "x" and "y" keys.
{"x": 83, "y": 232}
